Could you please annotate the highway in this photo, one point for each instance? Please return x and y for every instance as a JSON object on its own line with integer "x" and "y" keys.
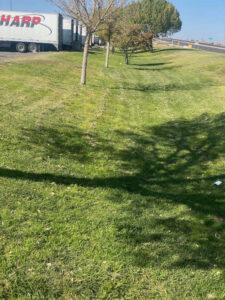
{"x": 195, "y": 45}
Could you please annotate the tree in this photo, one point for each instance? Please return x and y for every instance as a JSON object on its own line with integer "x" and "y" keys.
{"x": 158, "y": 17}
{"x": 127, "y": 39}
{"x": 127, "y": 32}
{"x": 91, "y": 13}
{"x": 106, "y": 31}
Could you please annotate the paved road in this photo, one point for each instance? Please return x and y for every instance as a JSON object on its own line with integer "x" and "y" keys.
{"x": 12, "y": 55}
{"x": 195, "y": 45}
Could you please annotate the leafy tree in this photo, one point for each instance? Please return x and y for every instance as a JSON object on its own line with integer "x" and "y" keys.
{"x": 127, "y": 32}
{"x": 140, "y": 22}
{"x": 158, "y": 17}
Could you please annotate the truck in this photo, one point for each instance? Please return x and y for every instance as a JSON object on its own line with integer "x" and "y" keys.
{"x": 29, "y": 31}
{"x": 68, "y": 33}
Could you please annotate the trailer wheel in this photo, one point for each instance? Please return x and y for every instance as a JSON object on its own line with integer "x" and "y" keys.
{"x": 21, "y": 47}
{"x": 32, "y": 47}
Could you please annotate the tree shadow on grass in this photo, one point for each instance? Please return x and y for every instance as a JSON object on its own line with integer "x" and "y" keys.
{"x": 95, "y": 52}
{"x": 157, "y": 69}
{"x": 65, "y": 140}
{"x": 175, "y": 162}
{"x": 160, "y": 66}
{"x": 157, "y": 87}
{"x": 150, "y": 64}
{"x": 172, "y": 168}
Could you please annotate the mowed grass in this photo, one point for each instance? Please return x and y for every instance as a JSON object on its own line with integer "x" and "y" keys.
{"x": 107, "y": 191}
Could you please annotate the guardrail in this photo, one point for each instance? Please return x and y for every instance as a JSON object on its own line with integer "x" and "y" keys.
{"x": 192, "y": 45}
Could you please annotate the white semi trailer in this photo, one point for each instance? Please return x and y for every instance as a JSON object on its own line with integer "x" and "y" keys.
{"x": 68, "y": 33}
{"x": 28, "y": 31}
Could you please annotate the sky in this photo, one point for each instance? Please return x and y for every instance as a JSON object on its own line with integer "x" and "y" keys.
{"x": 202, "y": 19}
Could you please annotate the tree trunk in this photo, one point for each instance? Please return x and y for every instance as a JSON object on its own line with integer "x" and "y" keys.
{"x": 85, "y": 57}
{"x": 107, "y": 53}
{"x": 90, "y": 40}
{"x": 113, "y": 49}
{"x": 126, "y": 57}
{"x": 151, "y": 44}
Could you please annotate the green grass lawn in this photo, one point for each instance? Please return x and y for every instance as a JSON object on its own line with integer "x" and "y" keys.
{"x": 107, "y": 191}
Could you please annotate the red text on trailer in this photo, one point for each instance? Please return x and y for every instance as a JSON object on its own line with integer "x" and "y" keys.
{"x": 17, "y": 19}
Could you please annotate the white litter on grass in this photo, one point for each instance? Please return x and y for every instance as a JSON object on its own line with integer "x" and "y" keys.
{"x": 218, "y": 182}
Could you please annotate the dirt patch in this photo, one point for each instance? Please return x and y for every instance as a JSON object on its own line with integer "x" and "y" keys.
{"x": 6, "y": 56}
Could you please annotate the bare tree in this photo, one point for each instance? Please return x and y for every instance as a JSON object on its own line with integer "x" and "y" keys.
{"x": 91, "y": 13}
{"x": 106, "y": 31}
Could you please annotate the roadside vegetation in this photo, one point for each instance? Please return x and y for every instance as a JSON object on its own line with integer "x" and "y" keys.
{"x": 128, "y": 26}
{"x": 107, "y": 191}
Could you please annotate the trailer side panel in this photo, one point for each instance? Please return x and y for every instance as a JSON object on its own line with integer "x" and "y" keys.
{"x": 30, "y": 27}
